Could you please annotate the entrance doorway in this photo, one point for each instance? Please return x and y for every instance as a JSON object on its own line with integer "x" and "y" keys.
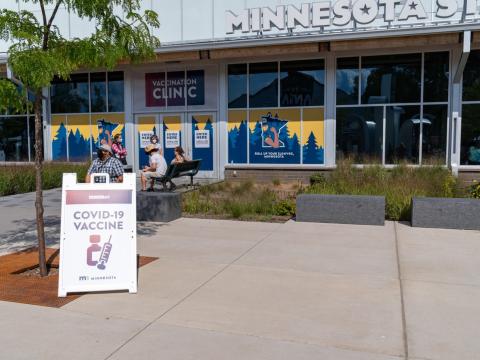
{"x": 195, "y": 132}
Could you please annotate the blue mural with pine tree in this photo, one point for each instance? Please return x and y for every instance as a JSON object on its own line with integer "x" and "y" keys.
{"x": 78, "y": 146}
{"x": 59, "y": 144}
{"x": 237, "y": 144}
{"x": 288, "y": 151}
{"x": 312, "y": 153}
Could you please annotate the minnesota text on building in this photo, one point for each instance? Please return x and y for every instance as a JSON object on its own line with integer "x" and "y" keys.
{"x": 266, "y": 88}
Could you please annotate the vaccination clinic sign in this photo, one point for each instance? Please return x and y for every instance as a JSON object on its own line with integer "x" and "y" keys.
{"x": 98, "y": 243}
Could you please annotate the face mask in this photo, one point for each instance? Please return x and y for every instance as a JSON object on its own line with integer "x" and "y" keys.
{"x": 100, "y": 154}
{"x": 154, "y": 141}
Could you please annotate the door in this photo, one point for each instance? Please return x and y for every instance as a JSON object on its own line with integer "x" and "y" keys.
{"x": 146, "y": 125}
{"x": 202, "y": 142}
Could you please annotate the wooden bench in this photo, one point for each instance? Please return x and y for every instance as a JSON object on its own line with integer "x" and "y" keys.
{"x": 187, "y": 168}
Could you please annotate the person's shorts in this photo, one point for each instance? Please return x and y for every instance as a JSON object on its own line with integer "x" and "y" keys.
{"x": 149, "y": 175}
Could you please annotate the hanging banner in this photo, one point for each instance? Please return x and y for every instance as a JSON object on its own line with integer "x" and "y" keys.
{"x": 202, "y": 139}
{"x": 172, "y": 139}
{"x": 98, "y": 243}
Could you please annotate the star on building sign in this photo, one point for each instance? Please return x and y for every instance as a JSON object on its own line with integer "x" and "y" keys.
{"x": 413, "y": 5}
{"x": 365, "y": 9}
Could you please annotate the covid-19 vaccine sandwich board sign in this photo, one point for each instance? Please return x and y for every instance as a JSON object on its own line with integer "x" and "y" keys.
{"x": 98, "y": 242}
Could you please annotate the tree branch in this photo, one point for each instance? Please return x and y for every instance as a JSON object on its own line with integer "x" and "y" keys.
{"x": 54, "y": 14}
{"x": 44, "y": 15}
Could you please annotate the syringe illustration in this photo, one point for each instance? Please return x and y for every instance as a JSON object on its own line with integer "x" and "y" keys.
{"x": 107, "y": 248}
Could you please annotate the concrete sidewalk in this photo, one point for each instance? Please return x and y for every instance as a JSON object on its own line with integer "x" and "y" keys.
{"x": 242, "y": 290}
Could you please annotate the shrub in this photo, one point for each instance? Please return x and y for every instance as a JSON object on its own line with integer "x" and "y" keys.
{"x": 21, "y": 179}
{"x": 276, "y": 182}
{"x": 285, "y": 208}
{"x": 475, "y": 190}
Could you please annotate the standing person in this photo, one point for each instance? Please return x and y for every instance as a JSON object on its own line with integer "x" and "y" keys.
{"x": 106, "y": 163}
{"x": 157, "y": 168}
{"x": 118, "y": 150}
{"x": 179, "y": 156}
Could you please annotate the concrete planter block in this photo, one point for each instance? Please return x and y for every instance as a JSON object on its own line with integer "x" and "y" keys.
{"x": 341, "y": 209}
{"x": 158, "y": 206}
{"x": 447, "y": 213}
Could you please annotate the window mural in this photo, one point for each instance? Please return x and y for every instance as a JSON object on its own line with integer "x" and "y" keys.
{"x": 313, "y": 136}
{"x": 81, "y": 134}
{"x": 237, "y": 136}
{"x": 79, "y": 137}
{"x": 172, "y": 135}
{"x": 58, "y": 131}
{"x": 146, "y": 127}
{"x": 105, "y": 127}
{"x": 202, "y": 140}
{"x": 275, "y": 136}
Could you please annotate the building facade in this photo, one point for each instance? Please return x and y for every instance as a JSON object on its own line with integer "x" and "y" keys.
{"x": 279, "y": 88}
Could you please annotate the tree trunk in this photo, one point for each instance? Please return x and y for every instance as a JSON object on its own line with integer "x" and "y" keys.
{"x": 38, "y": 183}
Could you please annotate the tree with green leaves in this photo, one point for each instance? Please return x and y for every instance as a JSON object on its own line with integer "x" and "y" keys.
{"x": 39, "y": 53}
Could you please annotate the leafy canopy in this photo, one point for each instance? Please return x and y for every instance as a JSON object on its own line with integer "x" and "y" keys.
{"x": 39, "y": 52}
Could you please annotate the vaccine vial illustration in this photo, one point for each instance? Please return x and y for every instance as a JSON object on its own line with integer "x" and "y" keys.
{"x": 93, "y": 248}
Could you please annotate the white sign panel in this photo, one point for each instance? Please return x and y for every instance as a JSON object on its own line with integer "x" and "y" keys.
{"x": 145, "y": 138}
{"x": 98, "y": 243}
{"x": 172, "y": 139}
{"x": 202, "y": 138}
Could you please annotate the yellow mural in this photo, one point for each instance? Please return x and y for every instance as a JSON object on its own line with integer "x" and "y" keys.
{"x": 313, "y": 122}
{"x": 235, "y": 118}
{"x": 106, "y": 126}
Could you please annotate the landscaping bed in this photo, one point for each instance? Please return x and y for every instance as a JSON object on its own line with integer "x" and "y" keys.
{"x": 276, "y": 201}
{"x": 399, "y": 185}
{"x": 19, "y": 179}
{"x": 242, "y": 201}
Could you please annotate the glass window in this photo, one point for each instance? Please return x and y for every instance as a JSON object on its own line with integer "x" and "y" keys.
{"x": 470, "y": 151}
{"x": 115, "y": 92}
{"x": 471, "y": 77}
{"x": 237, "y": 86}
{"x": 391, "y": 79}
{"x": 263, "y": 85}
{"x": 402, "y": 134}
{"x": 435, "y": 78}
{"x": 302, "y": 83}
{"x": 360, "y": 134}
{"x": 434, "y": 134}
{"x": 348, "y": 75}
{"x": 98, "y": 91}
{"x": 70, "y": 96}
{"x": 13, "y": 138}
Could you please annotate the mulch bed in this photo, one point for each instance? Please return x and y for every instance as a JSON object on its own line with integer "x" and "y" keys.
{"x": 20, "y": 283}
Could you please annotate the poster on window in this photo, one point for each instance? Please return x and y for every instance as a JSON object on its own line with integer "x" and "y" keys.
{"x": 171, "y": 124}
{"x": 275, "y": 136}
{"x": 202, "y": 139}
{"x": 98, "y": 242}
{"x": 145, "y": 138}
{"x": 172, "y": 139}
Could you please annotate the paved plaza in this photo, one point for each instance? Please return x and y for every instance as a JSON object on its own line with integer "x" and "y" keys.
{"x": 242, "y": 290}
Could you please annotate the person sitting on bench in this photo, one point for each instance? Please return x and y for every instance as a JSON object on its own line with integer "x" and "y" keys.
{"x": 157, "y": 168}
{"x": 179, "y": 156}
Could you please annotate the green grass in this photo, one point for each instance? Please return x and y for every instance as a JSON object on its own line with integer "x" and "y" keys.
{"x": 398, "y": 185}
{"x": 241, "y": 200}
{"x": 21, "y": 179}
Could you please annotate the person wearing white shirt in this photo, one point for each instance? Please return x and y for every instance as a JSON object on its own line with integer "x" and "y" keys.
{"x": 157, "y": 168}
